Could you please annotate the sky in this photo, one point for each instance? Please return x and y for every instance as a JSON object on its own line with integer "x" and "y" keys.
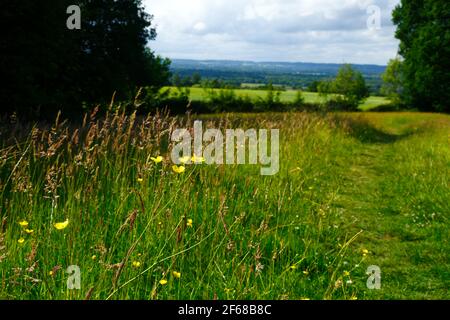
{"x": 321, "y": 31}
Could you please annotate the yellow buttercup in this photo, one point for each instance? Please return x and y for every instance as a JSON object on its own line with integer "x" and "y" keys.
{"x": 61, "y": 225}
{"x": 196, "y": 159}
{"x": 185, "y": 160}
{"x": 178, "y": 169}
{"x": 158, "y": 159}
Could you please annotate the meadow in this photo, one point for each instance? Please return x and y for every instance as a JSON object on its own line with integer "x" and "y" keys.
{"x": 199, "y": 94}
{"x": 354, "y": 190}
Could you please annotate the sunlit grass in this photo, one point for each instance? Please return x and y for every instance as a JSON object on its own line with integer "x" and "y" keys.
{"x": 353, "y": 190}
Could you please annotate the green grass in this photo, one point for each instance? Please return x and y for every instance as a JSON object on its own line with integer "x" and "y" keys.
{"x": 347, "y": 182}
{"x": 199, "y": 94}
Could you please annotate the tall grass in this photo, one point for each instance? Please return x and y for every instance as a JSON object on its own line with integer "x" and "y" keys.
{"x": 213, "y": 232}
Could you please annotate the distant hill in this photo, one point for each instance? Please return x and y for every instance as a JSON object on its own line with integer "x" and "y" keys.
{"x": 294, "y": 74}
{"x": 323, "y": 69}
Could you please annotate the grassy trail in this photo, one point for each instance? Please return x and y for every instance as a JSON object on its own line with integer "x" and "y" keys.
{"x": 411, "y": 253}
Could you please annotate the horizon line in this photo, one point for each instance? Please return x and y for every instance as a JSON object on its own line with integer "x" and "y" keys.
{"x": 287, "y": 62}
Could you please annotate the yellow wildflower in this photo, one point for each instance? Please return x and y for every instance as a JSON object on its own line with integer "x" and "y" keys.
{"x": 136, "y": 264}
{"x": 50, "y": 273}
{"x": 94, "y": 257}
{"x": 21, "y": 240}
{"x": 163, "y": 282}
{"x": 305, "y": 299}
{"x": 61, "y": 225}
{"x": 140, "y": 180}
{"x": 176, "y": 274}
{"x": 346, "y": 273}
{"x": 29, "y": 231}
{"x": 353, "y": 297}
{"x": 294, "y": 267}
{"x": 306, "y": 272}
{"x": 184, "y": 160}
{"x": 196, "y": 159}
{"x": 189, "y": 223}
{"x": 158, "y": 159}
{"x": 178, "y": 169}
{"x": 23, "y": 223}
{"x": 365, "y": 252}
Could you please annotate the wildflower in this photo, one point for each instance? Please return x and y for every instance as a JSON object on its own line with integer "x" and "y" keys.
{"x": 365, "y": 252}
{"x": 157, "y": 160}
{"x": 353, "y": 297}
{"x": 29, "y": 231}
{"x": 176, "y": 274}
{"x": 94, "y": 257}
{"x": 51, "y": 273}
{"x": 23, "y": 223}
{"x": 163, "y": 282}
{"x": 178, "y": 169}
{"x": 21, "y": 240}
{"x": 349, "y": 281}
{"x": 306, "y": 272}
{"x": 61, "y": 225}
{"x": 140, "y": 180}
{"x": 196, "y": 159}
{"x": 184, "y": 160}
{"x": 294, "y": 267}
{"x": 189, "y": 223}
{"x": 227, "y": 290}
{"x": 305, "y": 299}
{"x": 259, "y": 267}
{"x": 136, "y": 264}
{"x": 346, "y": 273}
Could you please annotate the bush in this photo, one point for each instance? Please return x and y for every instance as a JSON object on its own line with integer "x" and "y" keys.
{"x": 226, "y": 100}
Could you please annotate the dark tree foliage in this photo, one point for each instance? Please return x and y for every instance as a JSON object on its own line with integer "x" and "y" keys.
{"x": 423, "y": 28}
{"x": 46, "y": 67}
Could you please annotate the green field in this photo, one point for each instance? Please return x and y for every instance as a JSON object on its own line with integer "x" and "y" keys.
{"x": 199, "y": 94}
{"x": 353, "y": 190}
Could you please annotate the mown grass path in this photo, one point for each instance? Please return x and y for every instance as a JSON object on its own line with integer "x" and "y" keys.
{"x": 387, "y": 193}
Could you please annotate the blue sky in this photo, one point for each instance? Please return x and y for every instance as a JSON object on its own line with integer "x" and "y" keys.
{"x": 333, "y": 31}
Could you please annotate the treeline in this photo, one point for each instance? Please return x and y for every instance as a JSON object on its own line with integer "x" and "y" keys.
{"x": 177, "y": 101}
{"x": 259, "y": 80}
{"x": 45, "y": 66}
{"x": 420, "y": 78}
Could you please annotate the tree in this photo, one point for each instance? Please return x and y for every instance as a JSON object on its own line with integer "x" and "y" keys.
{"x": 393, "y": 81}
{"x": 314, "y": 86}
{"x": 196, "y": 78}
{"x": 349, "y": 85}
{"x": 423, "y": 28}
{"x": 49, "y": 67}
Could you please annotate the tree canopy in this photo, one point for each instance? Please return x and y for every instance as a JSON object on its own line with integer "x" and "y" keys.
{"x": 47, "y": 66}
{"x": 423, "y": 28}
{"x": 393, "y": 81}
{"x": 349, "y": 85}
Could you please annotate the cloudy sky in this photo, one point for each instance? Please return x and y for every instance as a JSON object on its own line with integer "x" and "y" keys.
{"x": 275, "y": 30}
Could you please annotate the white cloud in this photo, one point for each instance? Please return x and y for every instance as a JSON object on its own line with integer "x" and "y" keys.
{"x": 270, "y": 30}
